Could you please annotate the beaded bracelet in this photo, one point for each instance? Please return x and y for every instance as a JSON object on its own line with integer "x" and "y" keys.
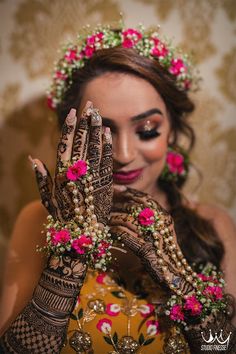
{"x": 81, "y": 235}
{"x": 206, "y": 294}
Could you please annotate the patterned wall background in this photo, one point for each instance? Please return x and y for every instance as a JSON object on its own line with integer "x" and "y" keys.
{"x": 30, "y": 33}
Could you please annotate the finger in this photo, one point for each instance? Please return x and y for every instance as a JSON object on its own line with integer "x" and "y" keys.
{"x": 45, "y": 185}
{"x": 106, "y": 166}
{"x": 79, "y": 149}
{"x": 95, "y": 141}
{"x": 123, "y": 219}
{"x": 66, "y": 140}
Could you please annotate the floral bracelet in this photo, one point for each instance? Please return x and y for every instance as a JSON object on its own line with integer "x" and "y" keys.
{"x": 206, "y": 296}
{"x": 82, "y": 235}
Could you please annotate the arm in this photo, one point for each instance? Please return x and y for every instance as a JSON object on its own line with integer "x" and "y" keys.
{"x": 190, "y": 306}
{"x": 41, "y": 326}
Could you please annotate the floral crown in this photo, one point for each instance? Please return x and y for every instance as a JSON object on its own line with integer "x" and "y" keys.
{"x": 147, "y": 43}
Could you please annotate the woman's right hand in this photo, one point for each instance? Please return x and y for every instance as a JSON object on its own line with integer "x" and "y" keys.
{"x": 85, "y": 140}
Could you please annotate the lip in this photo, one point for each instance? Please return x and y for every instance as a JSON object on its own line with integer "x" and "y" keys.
{"x": 127, "y": 177}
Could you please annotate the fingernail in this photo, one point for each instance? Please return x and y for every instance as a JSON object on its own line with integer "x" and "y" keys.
{"x": 33, "y": 163}
{"x": 96, "y": 119}
{"x": 87, "y": 109}
{"x": 107, "y": 134}
{"x": 71, "y": 116}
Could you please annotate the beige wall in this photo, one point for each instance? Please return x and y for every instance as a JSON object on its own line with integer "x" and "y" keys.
{"x": 30, "y": 31}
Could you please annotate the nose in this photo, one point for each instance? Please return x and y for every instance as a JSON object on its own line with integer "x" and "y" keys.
{"x": 124, "y": 149}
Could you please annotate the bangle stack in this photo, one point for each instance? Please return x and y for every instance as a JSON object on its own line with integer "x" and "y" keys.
{"x": 206, "y": 294}
{"x": 82, "y": 235}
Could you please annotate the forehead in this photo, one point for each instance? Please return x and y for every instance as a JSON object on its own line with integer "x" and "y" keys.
{"x": 122, "y": 95}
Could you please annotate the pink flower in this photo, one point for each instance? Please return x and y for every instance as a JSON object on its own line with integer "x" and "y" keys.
{"x": 130, "y": 37}
{"x": 176, "y": 313}
{"x": 50, "y": 103}
{"x": 175, "y": 162}
{"x": 177, "y": 67}
{"x": 160, "y": 50}
{"x": 88, "y": 51}
{"x": 100, "y": 278}
{"x": 215, "y": 292}
{"x": 113, "y": 309}
{"x": 91, "y": 40}
{"x": 77, "y": 170}
{"x": 152, "y": 327}
{"x": 104, "y": 325}
{"x": 146, "y": 309}
{"x": 60, "y": 75}
{"x": 146, "y": 217}
{"x": 102, "y": 248}
{"x": 80, "y": 244}
{"x": 204, "y": 277}
{"x": 62, "y": 236}
{"x": 193, "y": 305}
{"x": 71, "y": 55}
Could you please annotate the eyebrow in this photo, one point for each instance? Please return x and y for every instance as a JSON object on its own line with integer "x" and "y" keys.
{"x": 136, "y": 118}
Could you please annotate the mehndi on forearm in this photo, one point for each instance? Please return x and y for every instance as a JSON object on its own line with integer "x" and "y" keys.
{"x": 41, "y": 326}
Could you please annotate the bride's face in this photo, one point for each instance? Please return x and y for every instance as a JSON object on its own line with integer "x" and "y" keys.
{"x": 139, "y": 123}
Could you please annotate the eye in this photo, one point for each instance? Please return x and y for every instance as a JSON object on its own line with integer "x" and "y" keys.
{"x": 148, "y": 134}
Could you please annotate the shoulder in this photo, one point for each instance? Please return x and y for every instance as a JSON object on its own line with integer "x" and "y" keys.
{"x": 29, "y": 224}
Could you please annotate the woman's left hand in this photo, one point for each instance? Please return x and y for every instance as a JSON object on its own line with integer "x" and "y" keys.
{"x": 159, "y": 251}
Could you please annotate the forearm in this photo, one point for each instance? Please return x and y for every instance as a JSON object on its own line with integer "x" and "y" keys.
{"x": 41, "y": 326}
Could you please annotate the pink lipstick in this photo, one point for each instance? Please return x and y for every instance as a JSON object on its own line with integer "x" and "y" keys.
{"x": 123, "y": 177}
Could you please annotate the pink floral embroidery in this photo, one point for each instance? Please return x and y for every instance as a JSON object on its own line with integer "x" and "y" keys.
{"x": 80, "y": 244}
{"x": 146, "y": 217}
{"x": 215, "y": 292}
{"x": 101, "y": 278}
{"x": 113, "y": 309}
{"x": 104, "y": 325}
{"x": 77, "y": 170}
{"x": 62, "y": 236}
{"x": 175, "y": 162}
{"x": 146, "y": 309}
{"x": 130, "y": 37}
{"x": 177, "y": 67}
{"x": 193, "y": 305}
{"x": 176, "y": 313}
{"x": 152, "y": 327}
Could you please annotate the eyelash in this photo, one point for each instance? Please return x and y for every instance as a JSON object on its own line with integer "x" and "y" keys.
{"x": 149, "y": 134}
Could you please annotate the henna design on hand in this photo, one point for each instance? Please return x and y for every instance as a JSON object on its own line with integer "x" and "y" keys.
{"x": 162, "y": 263}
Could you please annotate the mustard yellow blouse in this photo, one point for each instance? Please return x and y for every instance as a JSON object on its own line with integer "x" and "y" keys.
{"x": 110, "y": 319}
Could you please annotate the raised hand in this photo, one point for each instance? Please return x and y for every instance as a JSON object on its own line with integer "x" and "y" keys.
{"x": 85, "y": 141}
{"x": 158, "y": 249}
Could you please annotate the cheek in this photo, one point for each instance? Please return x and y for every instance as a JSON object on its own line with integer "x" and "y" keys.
{"x": 155, "y": 150}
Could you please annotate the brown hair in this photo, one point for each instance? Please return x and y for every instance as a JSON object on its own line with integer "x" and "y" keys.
{"x": 196, "y": 236}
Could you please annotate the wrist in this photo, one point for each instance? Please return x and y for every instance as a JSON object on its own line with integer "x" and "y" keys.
{"x": 59, "y": 286}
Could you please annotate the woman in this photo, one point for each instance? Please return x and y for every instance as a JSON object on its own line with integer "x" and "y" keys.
{"x": 151, "y": 299}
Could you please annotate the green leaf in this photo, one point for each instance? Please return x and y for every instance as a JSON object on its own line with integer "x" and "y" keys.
{"x": 108, "y": 340}
{"x": 80, "y": 314}
{"x": 149, "y": 341}
{"x": 141, "y": 339}
{"x": 73, "y": 317}
{"x": 118, "y": 294}
{"x": 115, "y": 338}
